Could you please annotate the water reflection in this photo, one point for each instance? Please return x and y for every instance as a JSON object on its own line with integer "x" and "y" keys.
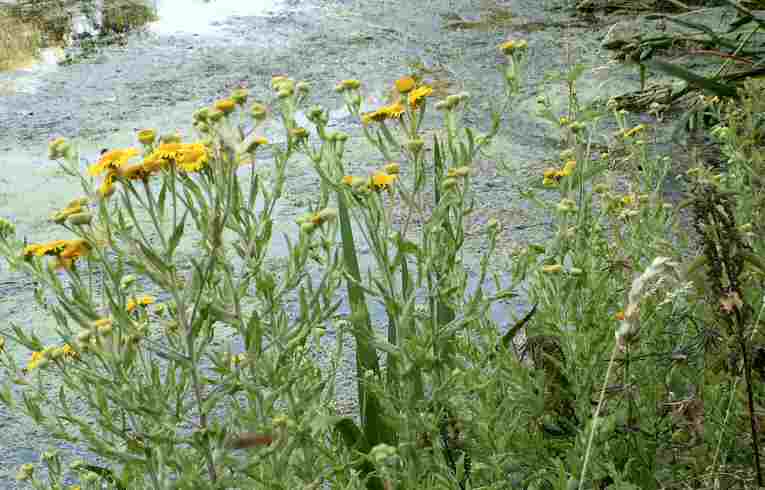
{"x": 202, "y": 17}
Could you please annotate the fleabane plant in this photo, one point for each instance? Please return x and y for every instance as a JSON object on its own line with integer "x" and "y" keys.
{"x": 185, "y": 358}
{"x": 177, "y": 341}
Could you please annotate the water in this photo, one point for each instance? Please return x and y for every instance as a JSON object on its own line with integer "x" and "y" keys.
{"x": 204, "y": 17}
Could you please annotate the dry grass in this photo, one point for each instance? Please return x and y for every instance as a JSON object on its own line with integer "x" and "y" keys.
{"x": 19, "y": 42}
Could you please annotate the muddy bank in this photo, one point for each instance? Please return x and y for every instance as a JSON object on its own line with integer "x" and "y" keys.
{"x": 158, "y": 79}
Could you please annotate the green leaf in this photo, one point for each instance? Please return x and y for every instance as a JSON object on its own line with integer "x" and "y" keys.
{"x": 175, "y": 238}
{"x": 692, "y": 78}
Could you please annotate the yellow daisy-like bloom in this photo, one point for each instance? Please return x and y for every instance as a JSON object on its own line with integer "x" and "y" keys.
{"x": 394, "y": 111}
{"x": 67, "y": 351}
{"x": 140, "y": 301}
{"x": 153, "y": 163}
{"x": 381, "y": 180}
{"x": 40, "y": 249}
{"x": 167, "y": 151}
{"x": 509, "y": 46}
{"x": 73, "y": 250}
{"x": 405, "y": 84}
{"x": 348, "y": 179}
{"x": 568, "y": 169}
{"x": 35, "y": 361}
{"x": 192, "y": 157}
{"x": 147, "y": 136}
{"x": 417, "y": 95}
{"x": 112, "y": 160}
{"x": 634, "y": 131}
{"x": 226, "y": 106}
{"x": 134, "y": 172}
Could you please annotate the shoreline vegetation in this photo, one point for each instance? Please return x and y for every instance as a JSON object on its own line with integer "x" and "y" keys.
{"x": 27, "y": 26}
{"x": 638, "y": 363}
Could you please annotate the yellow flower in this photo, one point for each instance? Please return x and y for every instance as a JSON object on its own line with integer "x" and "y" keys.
{"x": 35, "y": 361}
{"x": 147, "y": 136}
{"x": 628, "y": 200}
{"x": 140, "y": 301}
{"x": 153, "y": 163}
{"x": 405, "y": 84}
{"x": 192, "y": 157}
{"x": 167, "y": 151}
{"x": 381, "y": 180}
{"x": 568, "y": 168}
{"x": 635, "y": 130}
{"x": 509, "y": 46}
{"x": 134, "y": 172}
{"x": 112, "y": 160}
{"x": 417, "y": 95}
{"x": 226, "y": 106}
{"x": 73, "y": 249}
{"x": 394, "y": 111}
{"x": 40, "y": 249}
{"x": 348, "y": 179}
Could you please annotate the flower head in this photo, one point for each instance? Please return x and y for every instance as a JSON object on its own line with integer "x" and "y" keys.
{"x": 192, "y": 157}
{"x": 226, "y": 106}
{"x": 417, "y": 95}
{"x": 382, "y": 180}
{"x": 145, "y": 300}
{"x": 147, "y": 136}
{"x": 405, "y": 84}
{"x": 510, "y": 46}
{"x": 112, "y": 160}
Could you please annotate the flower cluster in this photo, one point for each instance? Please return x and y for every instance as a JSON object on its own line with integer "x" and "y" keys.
{"x": 552, "y": 175}
{"x": 66, "y": 251}
{"x": 186, "y": 157}
{"x": 40, "y": 359}
{"x": 414, "y": 94}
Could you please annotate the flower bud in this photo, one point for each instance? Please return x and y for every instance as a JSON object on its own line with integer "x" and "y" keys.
{"x": 303, "y": 88}
{"x": 25, "y": 472}
{"x": 80, "y": 219}
{"x": 298, "y": 133}
{"x": 170, "y": 138}
{"x": 459, "y": 172}
{"x": 392, "y": 168}
{"x": 147, "y": 136}
{"x": 239, "y": 96}
{"x": 414, "y": 145}
{"x": 202, "y": 114}
{"x": 7, "y": 229}
{"x": 215, "y": 115}
{"x": 552, "y": 269}
{"x": 449, "y": 183}
{"x": 258, "y": 112}
{"x": 255, "y": 143}
{"x": 226, "y": 106}
{"x": 405, "y": 84}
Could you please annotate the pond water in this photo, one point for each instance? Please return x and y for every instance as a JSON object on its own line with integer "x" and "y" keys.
{"x": 204, "y": 17}
{"x": 197, "y": 52}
